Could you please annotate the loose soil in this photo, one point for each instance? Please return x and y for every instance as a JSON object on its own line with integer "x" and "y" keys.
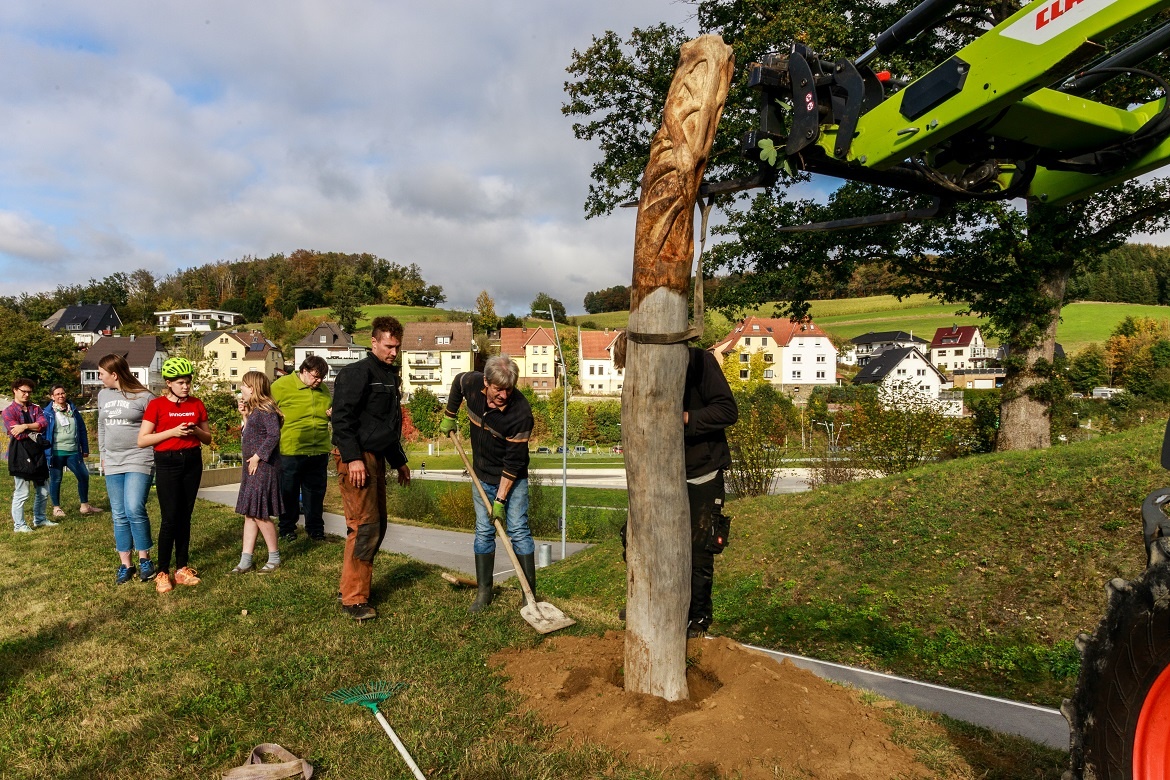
{"x": 746, "y": 714}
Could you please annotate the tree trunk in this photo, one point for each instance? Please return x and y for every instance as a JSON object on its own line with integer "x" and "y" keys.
{"x": 659, "y": 550}
{"x": 1024, "y": 420}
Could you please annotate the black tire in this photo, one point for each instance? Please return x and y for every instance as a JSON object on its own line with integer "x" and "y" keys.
{"x": 1120, "y": 664}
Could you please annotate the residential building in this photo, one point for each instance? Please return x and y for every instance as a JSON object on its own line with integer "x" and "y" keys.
{"x": 869, "y": 345}
{"x": 596, "y": 372}
{"x": 433, "y": 353}
{"x": 535, "y": 352}
{"x": 85, "y": 323}
{"x": 330, "y": 342}
{"x": 798, "y": 356}
{"x": 197, "y": 320}
{"x": 230, "y": 355}
{"x": 960, "y": 347}
{"x": 907, "y": 370}
{"x": 144, "y": 355}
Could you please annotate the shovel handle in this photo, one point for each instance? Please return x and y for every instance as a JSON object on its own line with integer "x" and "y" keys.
{"x": 499, "y": 528}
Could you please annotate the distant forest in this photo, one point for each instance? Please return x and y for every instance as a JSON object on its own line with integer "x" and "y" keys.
{"x": 255, "y": 287}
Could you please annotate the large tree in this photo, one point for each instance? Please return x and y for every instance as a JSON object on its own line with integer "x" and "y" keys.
{"x": 1011, "y": 266}
{"x": 29, "y": 351}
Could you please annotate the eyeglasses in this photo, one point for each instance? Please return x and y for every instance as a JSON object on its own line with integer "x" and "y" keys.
{"x": 25, "y": 390}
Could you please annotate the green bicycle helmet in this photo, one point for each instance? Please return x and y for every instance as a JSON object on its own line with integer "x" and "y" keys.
{"x": 176, "y": 367}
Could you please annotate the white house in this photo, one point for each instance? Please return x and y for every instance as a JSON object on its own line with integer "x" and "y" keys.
{"x": 196, "y": 320}
{"x": 869, "y": 345}
{"x": 86, "y": 323}
{"x": 433, "y": 353}
{"x": 797, "y": 355}
{"x": 907, "y": 369}
{"x": 535, "y": 353}
{"x": 597, "y": 374}
{"x": 144, "y": 355}
{"x": 960, "y": 347}
{"x": 330, "y": 342}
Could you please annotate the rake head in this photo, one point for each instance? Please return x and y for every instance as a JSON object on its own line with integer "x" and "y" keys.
{"x": 368, "y": 695}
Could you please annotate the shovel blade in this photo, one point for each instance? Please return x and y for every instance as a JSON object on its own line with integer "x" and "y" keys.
{"x": 545, "y": 618}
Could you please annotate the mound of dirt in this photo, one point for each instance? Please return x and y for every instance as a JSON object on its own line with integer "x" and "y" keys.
{"x": 746, "y": 712}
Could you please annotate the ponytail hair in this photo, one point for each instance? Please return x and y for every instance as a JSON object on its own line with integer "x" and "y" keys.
{"x": 128, "y": 384}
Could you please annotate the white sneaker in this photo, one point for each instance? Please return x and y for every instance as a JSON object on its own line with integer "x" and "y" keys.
{"x": 46, "y": 523}
{"x": 22, "y": 529}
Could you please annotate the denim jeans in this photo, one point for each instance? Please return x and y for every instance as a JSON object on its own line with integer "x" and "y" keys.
{"x": 75, "y": 462}
{"x": 303, "y": 477}
{"x": 128, "y": 494}
{"x": 20, "y": 498}
{"x": 516, "y": 516}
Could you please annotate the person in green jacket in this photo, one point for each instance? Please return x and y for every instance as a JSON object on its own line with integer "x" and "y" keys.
{"x": 305, "y": 444}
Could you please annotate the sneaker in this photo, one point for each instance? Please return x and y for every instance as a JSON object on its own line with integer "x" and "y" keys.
{"x": 317, "y": 537}
{"x": 24, "y": 529}
{"x": 187, "y": 576}
{"x": 125, "y": 574}
{"x": 46, "y": 523}
{"x": 162, "y": 583}
{"x": 290, "y": 536}
{"x": 360, "y": 612}
{"x": 146, "y": 570}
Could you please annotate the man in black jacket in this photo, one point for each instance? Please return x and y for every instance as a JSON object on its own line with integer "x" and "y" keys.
{"x": 501, "y": 425}
{"x": 367, "y": 433}
{"x": 709, "y": 409}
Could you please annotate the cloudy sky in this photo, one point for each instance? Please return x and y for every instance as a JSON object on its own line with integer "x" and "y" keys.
{"x": 166, "y": 135}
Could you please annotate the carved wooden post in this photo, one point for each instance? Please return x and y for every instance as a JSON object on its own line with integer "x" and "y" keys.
{"x": 659, "y": 552}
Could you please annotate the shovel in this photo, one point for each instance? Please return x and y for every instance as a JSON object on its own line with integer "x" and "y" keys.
{"x": 542, "y": 616}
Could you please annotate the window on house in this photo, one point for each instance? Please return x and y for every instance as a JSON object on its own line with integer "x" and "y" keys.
{"x": 743, "y": 373}
{"x": 223, "y": 341}
{"x": 796, "y": 358}
{"x": 591, "y": 372}
{"x": 544, "y": 350}
{"x": 796, "y": 375}
{"x": 764, "y": 341}
{"x": 235, "y": 372}
{"x": 91, "y": 376}
{"x": 820, "y": 375}
{"x": 322, "y": 340}
{"x": 233, "y": 356}
{"x": 769, "y": 357}
{"x": 747, "y": 342}
{"x": 768, "y": 373}
{"x": 958, "y": 352}
{"x": 941, "y": 353}
{"x": 456, "y": 355}
{"x": 309, "y": 353}
{"x": 922, "y": 372}
{"x": 743, "y": 357}
{"x": 901, "y": 372}
{"x": 544, "y": 368}
{"x": 215, "y": 372}
{"x": 820, "y": 358}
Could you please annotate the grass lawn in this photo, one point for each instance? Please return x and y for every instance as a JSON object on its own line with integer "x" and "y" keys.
{"x": 103, "y": 681}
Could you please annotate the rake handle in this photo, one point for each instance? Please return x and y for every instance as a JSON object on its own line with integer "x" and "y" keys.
{"x": 398, "y": 744}
{"x": 499, "y": 528}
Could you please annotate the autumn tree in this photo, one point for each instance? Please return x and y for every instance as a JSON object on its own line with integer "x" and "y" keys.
{"x": 425, "y": 410}
{"x": 1012, "y": 267}
{"x": 346, "y": 306}
{"x": 485, "y": 313}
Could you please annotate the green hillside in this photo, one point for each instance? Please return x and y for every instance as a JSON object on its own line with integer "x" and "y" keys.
{"x": 1081, "y": 323}
{"x": 976, "y": 573}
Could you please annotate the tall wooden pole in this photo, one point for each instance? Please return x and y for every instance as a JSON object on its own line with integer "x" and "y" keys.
{"x": 658, "y": 570}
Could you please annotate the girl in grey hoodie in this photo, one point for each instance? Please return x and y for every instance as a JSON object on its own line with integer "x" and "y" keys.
{"x": 128, "y": 468}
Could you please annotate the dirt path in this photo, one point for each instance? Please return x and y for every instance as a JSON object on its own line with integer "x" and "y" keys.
{"x": 746, "y": 713}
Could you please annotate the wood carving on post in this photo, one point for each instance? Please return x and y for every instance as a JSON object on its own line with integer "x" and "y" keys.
{"x": 658, "y": 572}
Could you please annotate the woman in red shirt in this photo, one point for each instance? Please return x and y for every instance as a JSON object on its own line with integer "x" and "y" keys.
{"x": 175, "y": 424}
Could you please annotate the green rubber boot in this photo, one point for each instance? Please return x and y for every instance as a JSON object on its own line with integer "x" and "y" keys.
{"x": 485, "y": 567}
{"x": 528, "y": 566}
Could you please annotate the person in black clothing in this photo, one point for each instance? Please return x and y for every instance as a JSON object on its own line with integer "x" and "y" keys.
{"x": 501, "y": 425}
{"x": 709, "y": 409}
{"x": 367, "y": 434}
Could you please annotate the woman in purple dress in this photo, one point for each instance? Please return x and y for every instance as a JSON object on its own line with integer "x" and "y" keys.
{"x": 259, "y": 499}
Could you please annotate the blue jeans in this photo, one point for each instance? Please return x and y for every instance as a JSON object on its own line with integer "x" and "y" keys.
{"x": 128, "y": 494}
{"x": 75, "y": 462}
{"x": 516, "y": 516}
{"x": 20, "y": 498}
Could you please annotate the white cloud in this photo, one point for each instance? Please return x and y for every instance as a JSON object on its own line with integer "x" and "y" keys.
{"x": 23, "y": 240}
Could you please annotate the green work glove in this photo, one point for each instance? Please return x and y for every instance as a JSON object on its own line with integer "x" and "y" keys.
{"x": 447, "y": 425}
{"x": 498, "y": 511}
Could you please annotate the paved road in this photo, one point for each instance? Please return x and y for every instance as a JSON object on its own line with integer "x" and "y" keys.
{"x": 449, "y": 549}
{"x": 788, "y": 481}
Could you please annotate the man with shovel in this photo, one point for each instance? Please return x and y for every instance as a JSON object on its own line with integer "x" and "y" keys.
{"x": 501, "y": 425}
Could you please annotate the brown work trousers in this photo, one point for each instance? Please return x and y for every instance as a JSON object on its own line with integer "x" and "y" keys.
{"x": 365, "y": 524}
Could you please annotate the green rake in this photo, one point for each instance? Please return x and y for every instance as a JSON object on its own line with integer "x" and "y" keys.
{"x": 370, "y": 695}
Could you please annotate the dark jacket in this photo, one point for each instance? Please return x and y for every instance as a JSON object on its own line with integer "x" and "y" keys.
{"x": 710, "y": 408}
{"x": 499, "y": 437}
{"x": 367, "y": 411}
